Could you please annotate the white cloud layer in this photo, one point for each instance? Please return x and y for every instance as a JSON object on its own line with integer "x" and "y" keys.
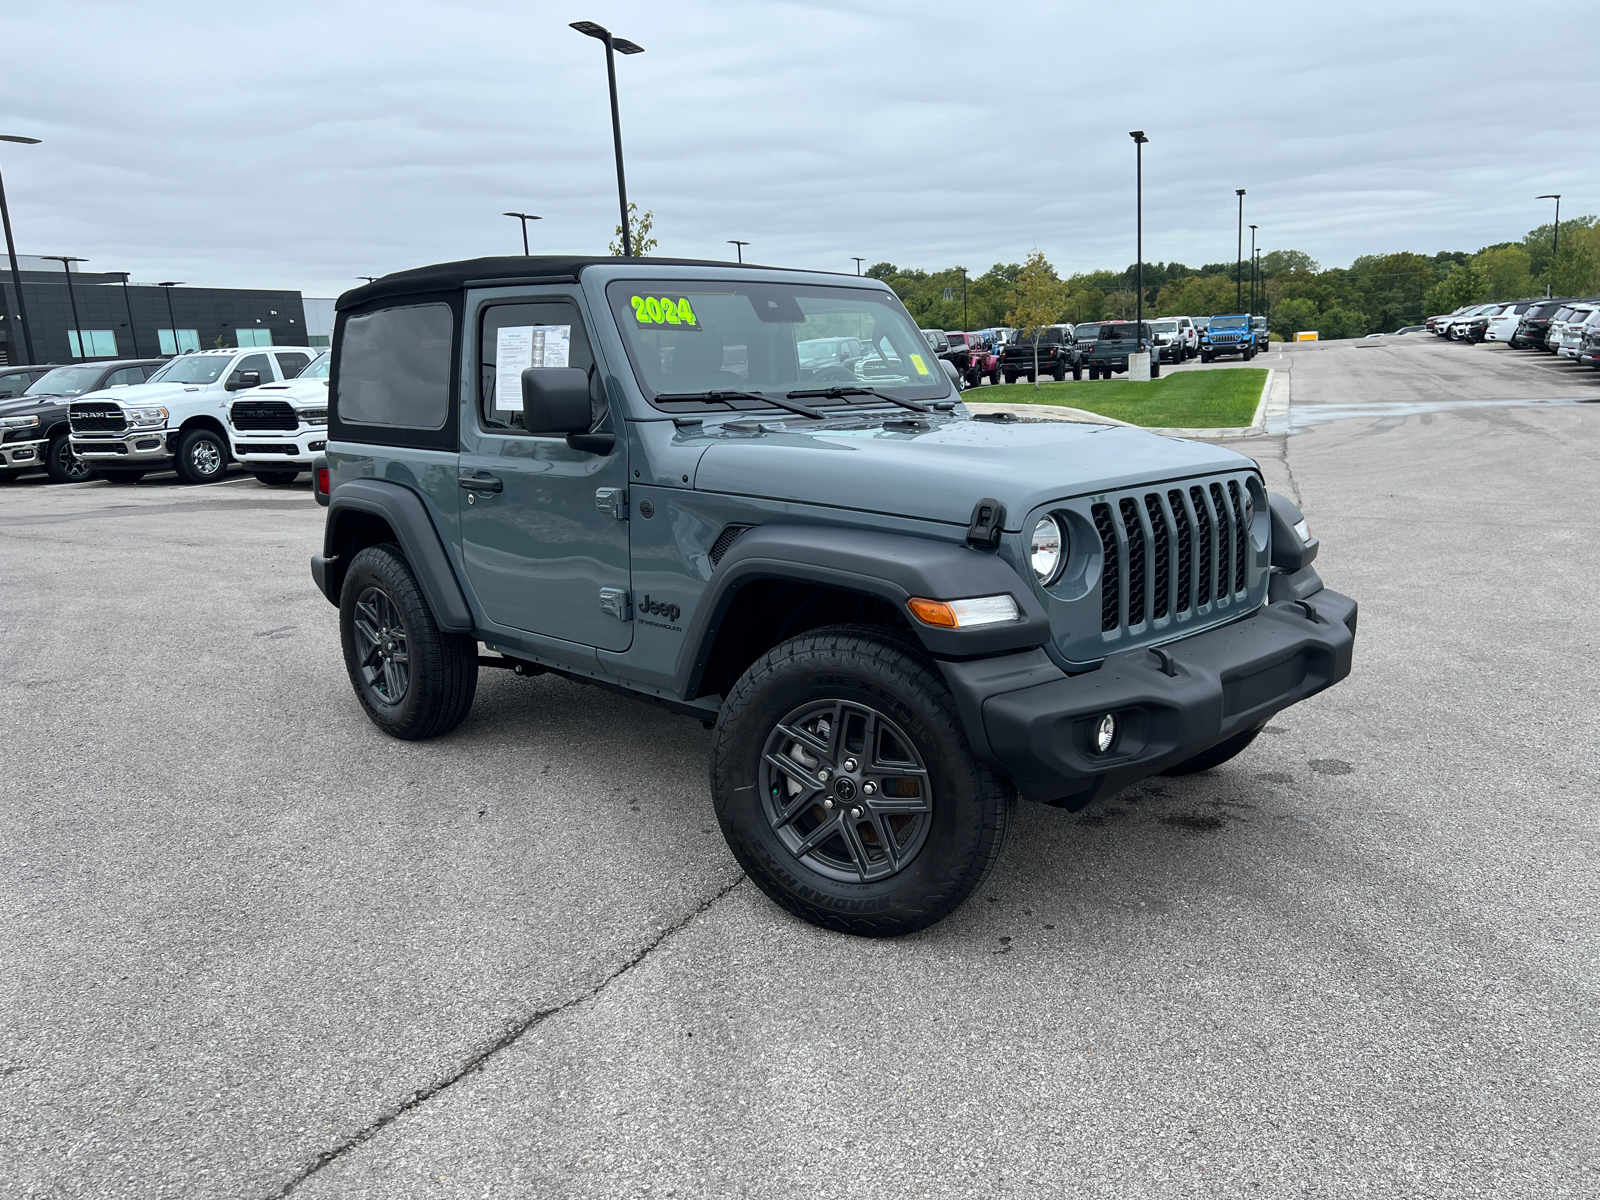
{"x": 301, "y": 145}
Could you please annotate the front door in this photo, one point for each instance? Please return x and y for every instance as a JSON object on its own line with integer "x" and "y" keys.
{"x": 544, "y": 533}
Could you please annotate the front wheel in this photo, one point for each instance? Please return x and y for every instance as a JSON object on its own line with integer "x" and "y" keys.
{"x": 1216, "y": 756}
{"x": 61, "y": 464}
{"x": 845, "y": 787}
{"x": 994, "y": 377}
{"x": 1204, "y": 357}
{"x": 202, "y": 456}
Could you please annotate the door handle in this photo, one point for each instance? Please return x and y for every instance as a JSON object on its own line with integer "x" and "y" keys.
{"x": 482, "y": 482}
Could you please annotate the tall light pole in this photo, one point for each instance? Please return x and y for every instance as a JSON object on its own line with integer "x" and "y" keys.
{"x": 622, "y": 46}
{"x": 133, "y": 331}
{"x": 858, "y": 260}
{"x": 1555, "y": 241}
{"x": 1238, "y": 266}
{"x": 966, "y": 321}
{"x": 1252, "y": 268}
{"x": 738, "y": 247}
{"x": 169, "y": 285}
{"x": 524, "y": 218}
{"x": 66, "y": 261}
{"x": 11, "y": 249}
{"x": 1139, "y": 140}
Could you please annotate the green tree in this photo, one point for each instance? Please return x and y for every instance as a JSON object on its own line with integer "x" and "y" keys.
{"x": 1537, "y": 243}
{"x": 638, "y": 232}
{"x": 1040, "y": 298}
{"x": 1575, "y": 270}
{"x": 1278, "y": 261}
{"x": 1506, "y": 272}
{"x": 1196, "y": 296}
{"x": 1290, "y": 317}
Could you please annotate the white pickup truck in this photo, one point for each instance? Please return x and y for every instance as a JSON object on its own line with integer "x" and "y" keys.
{"x": 278, "y": 429}
{"x": 176, "y": 421}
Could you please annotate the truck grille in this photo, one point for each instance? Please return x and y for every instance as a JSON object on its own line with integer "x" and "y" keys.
{"x": 264, "y": 414}
{"x": 268, "y": 448}
{"x": 1171, "y": 555}
{"x": 96, "y": 418}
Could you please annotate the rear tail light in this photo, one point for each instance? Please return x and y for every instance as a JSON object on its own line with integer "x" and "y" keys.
{"x": 322, "y": 480}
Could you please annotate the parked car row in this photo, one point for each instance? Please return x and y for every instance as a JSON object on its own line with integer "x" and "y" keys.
{"x": 266, "y": 409}
{"x": 1568, "y": 327}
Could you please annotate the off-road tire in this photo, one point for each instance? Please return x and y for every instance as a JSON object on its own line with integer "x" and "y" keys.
{"x": 276, "y": 478}
{"x": 441, "y": 668}
{"x": 970, "y": 807}
{"x": 994, "y": 377}
{"x": 1033, "y": 377}
{"x": 1216, "y": 756}
{"x": 1094, "y": 372}
{"x": 61, "y": 464}
{"x": 1077, "y": 370}
{"x": 1205, "y": 358}
{"x": 202, "y": 456}
{"x": 1011, "y": 376}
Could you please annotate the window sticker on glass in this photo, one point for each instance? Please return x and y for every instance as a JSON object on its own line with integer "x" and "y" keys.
{"x": 518, "y": 347}
{"x": 922, "y": 367}
{"x": 674, "y": 312}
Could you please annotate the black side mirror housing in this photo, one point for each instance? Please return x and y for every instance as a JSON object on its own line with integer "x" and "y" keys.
{"x": 555, "y": 402}
{"x": 246, "y": 379}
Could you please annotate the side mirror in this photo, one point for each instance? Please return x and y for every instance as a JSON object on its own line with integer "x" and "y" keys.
{"x": 555, "y": 402}
{"x": 246, "y": 379}
{"x": 950, "y": 370}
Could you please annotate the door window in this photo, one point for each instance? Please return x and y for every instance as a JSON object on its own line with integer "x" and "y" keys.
{"x": 125, "y": 376}
{"x": 394, "y": 367}
{"x": 253, "y": 362}
{"x": 291, "y": 363}
{"x": 514, "y": 337}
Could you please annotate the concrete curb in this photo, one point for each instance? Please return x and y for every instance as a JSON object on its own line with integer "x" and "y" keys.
{"x": 1265, "y": 411}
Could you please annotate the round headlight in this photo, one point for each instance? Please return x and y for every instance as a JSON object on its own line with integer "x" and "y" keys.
{"x": 1048, "y": 551}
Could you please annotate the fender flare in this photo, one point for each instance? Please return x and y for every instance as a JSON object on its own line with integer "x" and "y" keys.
{"x": 892, "y": 567}
{"x": 402, "y": 509}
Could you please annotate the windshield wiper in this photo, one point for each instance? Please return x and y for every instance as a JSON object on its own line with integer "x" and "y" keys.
{"x": 802, "y": 409}
{"x": 839, "y": 393}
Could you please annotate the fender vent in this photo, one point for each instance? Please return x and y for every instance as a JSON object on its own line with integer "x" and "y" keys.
{"x": 726, "y": 538}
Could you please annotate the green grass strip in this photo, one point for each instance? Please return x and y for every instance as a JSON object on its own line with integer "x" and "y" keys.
{"x": 1188, "y": 400}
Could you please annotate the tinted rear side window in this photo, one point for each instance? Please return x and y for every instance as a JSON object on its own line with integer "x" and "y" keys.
{"x": 394, "y": 367}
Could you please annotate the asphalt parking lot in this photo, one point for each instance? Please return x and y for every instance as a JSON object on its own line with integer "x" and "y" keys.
{"x": 254, "y": 948}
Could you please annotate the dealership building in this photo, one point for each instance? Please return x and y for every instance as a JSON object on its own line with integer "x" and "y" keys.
{"x": 74, "y": 315}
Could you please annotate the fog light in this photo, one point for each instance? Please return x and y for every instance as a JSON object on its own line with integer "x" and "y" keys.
{"x": 1105, "y": 733}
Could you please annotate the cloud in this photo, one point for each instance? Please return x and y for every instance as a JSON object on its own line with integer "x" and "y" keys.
{"x": 307, "y": 145}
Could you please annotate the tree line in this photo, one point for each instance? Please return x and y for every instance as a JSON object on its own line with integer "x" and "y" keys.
{"x": 1378, "y": 293}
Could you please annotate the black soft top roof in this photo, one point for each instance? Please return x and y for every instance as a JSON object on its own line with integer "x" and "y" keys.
{"x": 542, "y": 268}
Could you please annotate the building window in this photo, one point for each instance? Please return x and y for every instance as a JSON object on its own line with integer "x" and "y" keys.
{"x": 255, "y": 337}
{"x": 188, "y": 340}
{"x": 98, "y": 343}
{"x": 318, "y": 339}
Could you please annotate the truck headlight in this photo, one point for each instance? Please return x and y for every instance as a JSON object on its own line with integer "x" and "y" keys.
{"x": 18, "y": 422}
{"x": 315, "y": 416}
{"x": 147, "y": 416}
{"x": 1047, "y": 549}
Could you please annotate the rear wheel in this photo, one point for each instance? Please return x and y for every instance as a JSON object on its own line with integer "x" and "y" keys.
{"x": 414, "y": 680}
{"x": 61, "y": 464}
{"x": 276, "y": 478}
{"x": 1216, "y": 756}
{"x": 845, "y": 787}
{"x": 1011, "y": 376}
{"x": 1077, "y": 370}
{"x": 1033, "y": 377}
{"x": 994, "y": 377}
{"x": 202, "y": 456}
{"x": 1059, "y": 374}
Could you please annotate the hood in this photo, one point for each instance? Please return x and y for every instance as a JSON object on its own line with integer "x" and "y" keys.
{"x": 941, "y": 472}
{"x": 139, "y": 395}
{"x": 22, "y": 406}
{"x": 302, "y": 393}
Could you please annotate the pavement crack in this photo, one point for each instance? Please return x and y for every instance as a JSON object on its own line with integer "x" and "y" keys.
{"x": 481, "y": 1058}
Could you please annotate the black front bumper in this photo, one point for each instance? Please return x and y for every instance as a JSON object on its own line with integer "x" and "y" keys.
{"x": 1031, "y": 721}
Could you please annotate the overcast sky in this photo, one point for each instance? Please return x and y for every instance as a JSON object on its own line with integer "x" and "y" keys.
{"x": 301, "y": 145}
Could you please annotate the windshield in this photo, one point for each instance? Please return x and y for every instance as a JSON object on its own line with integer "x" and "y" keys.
{"x": 1165, "y": 326}
{"x": 195, "y": 368}
{"x": 1258, "y": 322}
{"x": 686, "y": 337}
{"x": 1230, "y": 322}
{"x": 65, "y": 381}
{"x": 1119, "y": 330}
{"x": 1051, "y": 336}
{"x": 317, "y": 368}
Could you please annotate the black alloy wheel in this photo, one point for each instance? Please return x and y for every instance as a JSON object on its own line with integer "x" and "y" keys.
{"x": 845, "y": 787}
{"x": 202, "y": 456}
{"x": 380, "y": 638}
{"x": 61, "y": 464}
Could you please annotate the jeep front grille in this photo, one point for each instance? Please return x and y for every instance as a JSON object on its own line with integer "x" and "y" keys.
{"x": 264, "y": 414}
{"x": 1175, "y": 555}
{"x": 96, "y": 418}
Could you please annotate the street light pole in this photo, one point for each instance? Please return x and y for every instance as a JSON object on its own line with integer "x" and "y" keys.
{"x": 1555, "y": 240}
{"x": 133, "y": 331}
{"x": 966, "y": 320}
{"x": 11, "y": 249}
{"x": 1238, "y": 265}
{"x": 524, "y": 218}
{"x": 1252, "y": 268}
{"x": 169, "y": 285}
{"x": 66, "y": 261}
{"x": 858, "y": 260}
{"x": 738, "y": 247}
{"x": 1139, "y": 140}
{"x": 590, "y": 29}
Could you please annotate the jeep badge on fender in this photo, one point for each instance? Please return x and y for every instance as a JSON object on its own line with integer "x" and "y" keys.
{"x": 898, "y": 619}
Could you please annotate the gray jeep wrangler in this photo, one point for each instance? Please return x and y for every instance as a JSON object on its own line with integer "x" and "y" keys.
{"x": 896, "y": 616}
